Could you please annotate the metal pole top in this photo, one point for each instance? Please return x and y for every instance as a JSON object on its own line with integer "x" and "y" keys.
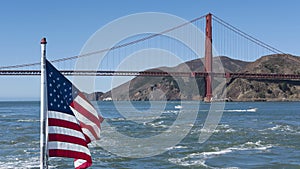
{"x": 43, "y": 41}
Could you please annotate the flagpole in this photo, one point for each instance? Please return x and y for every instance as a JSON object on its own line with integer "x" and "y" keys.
{"x": 44, "y": 107}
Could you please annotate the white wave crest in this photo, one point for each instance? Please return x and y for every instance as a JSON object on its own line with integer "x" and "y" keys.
{"x": 17, "y": 163}
{"x": 199, "y": 159}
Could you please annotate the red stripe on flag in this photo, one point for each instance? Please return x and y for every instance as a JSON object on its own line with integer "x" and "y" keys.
{"x": 63, "y": 123}
{"x": 90, "y": 128}
{"x": 88, "y": 140}
{"x": 68, "y": 139}
{"x": 84, "y": 98}
{"x": 70, "y": 154}
{"x": 85, "y": 113}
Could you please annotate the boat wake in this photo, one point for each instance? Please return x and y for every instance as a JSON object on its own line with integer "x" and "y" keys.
{"x": 178, "y": 107}
{"x": 200, "y": 158}
{"x": 242, "y": 110}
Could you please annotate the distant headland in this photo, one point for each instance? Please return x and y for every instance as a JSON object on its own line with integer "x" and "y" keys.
{"x": 237, "y": 89}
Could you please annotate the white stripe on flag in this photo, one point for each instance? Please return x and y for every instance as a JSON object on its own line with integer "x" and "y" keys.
{"x": 65, "y": 131}
{"x": 84, "y": 103}
{"x": 68, "y": 146}
{"x": 89, "y": 134}
{"x": 79, "y": 162}
{"x": 86, "y": 121}
{"x": 62, "y": 116}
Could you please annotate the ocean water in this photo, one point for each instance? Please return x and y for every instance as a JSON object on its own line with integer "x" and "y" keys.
{"x": 265, "y": 137}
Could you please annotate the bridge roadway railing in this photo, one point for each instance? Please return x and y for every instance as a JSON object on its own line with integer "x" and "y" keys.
{"x": 229, "y": 75}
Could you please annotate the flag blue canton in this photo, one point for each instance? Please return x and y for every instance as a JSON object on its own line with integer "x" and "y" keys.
{"x": 60, "y": 91}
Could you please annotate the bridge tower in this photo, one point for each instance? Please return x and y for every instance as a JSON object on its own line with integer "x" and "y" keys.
{"x": 208, "y": 58}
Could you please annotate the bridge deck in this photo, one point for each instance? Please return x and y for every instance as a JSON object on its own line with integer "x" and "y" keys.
{"x": 155, "y": 73}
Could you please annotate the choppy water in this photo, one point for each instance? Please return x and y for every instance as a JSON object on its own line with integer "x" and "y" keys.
{"x": 267, "y": 138}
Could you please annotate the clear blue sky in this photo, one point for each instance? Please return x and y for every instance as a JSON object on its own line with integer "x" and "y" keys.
{"x": 68, "y": 24}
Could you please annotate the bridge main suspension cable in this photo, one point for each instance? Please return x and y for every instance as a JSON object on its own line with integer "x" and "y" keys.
{"x": 107, "y": 49}
{"x": 246, "y": 36}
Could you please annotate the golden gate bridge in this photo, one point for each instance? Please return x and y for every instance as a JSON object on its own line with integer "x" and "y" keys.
{"x": 229, "y": 41}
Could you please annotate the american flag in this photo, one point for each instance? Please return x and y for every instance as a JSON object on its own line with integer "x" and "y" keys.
{"x": 73, "y": 122}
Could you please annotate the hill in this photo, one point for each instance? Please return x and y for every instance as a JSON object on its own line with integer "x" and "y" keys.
{"x": 267, "y": 90}
{"x": 184, "y": 88}
{"x": 169, "y": 88}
